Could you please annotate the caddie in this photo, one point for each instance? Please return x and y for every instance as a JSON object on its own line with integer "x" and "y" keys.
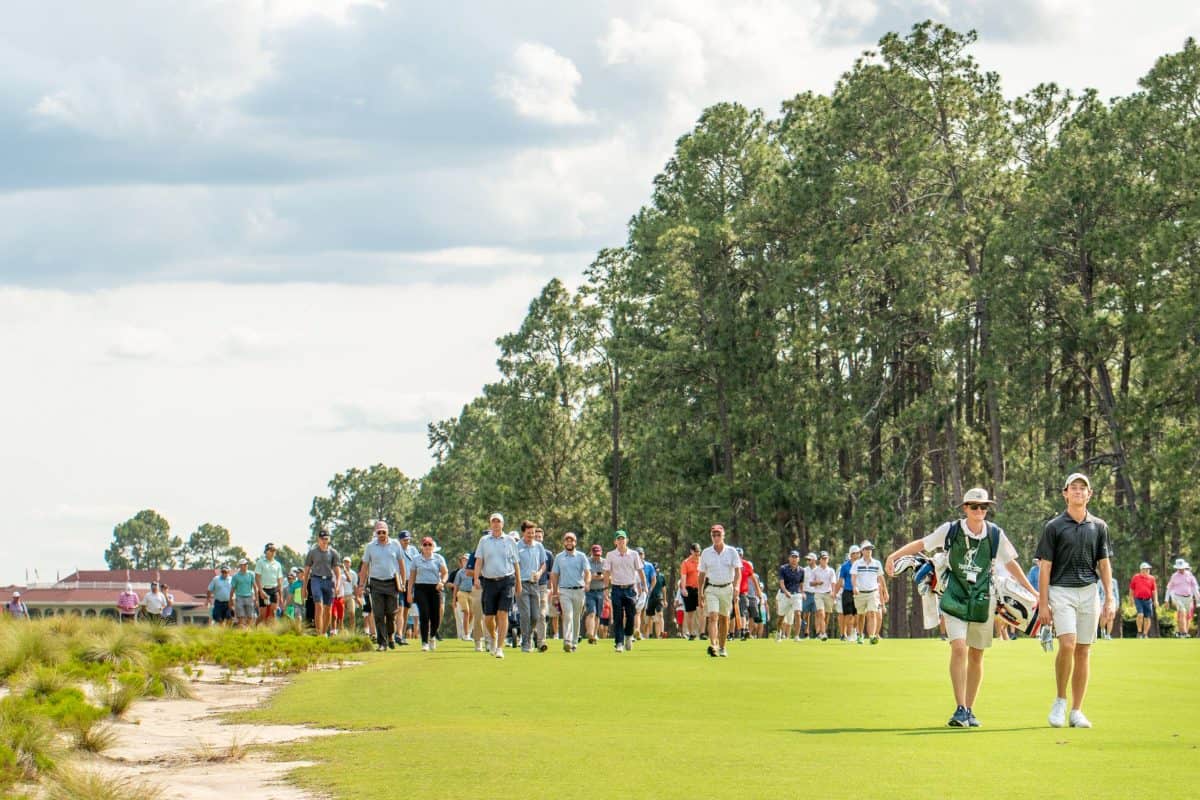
{"x": 975, "y": 547}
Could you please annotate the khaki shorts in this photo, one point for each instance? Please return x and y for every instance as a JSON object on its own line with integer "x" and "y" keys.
{"x": 1183, "y": 604}
{"x": 824, "y": 601}
{"x": 1076, "y": 610}
{"x": 786, "y": 606}
{"x": 865, "y": 602}
{"x": 977, "y": 634}
{"x": 718, "y": 599}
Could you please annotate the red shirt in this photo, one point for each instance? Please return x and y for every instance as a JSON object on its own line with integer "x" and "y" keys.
{"x": 747, "y": 571}
{"x": 1143, "y": 587}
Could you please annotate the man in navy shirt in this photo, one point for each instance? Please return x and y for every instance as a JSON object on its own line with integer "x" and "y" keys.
{"x": 789, "y": 600}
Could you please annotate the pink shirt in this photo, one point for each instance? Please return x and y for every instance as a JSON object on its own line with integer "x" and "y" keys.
{"x": 127, "y": 601}
{"x": 624, "y": 568}
{"x": 1182, "y": 584}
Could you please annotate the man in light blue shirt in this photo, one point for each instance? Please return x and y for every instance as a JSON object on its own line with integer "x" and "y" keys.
{"x": 408, "y": 552}
{"x": 382, "y": 573}
{"x": 531, "y": 557}
{"x": 568, "y": 581}
{"x": 497, "y": 574}
{"x": 220, "y": 589}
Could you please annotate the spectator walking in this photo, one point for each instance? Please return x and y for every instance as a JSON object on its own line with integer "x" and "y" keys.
{"x": 16, "y": 608}
{"x": 219, "y": 596}
{"x": 596, "y": 596}
{"x": 322, "y": 572}
{"x": 1073, "y": 554}
{"x": 497, "y": 574}
{"x": 269, "y": 585}
{"x": 349, "y": 605}
{"x": 870, "y": 594}
{"x": 1183, "y": 593}
{"x": 689, "y": 588}
{"x": 1144, "y": 588}
{"x": 849, "y": 623}
{"x": 461, "y": 584}
{"x": 244, "y": 585}
{"x": 153, "y": 603}
{"x": 382, "y": 572}
{"x": 1106, "y": 630}
{"x": 568, "y": 577}
{"x": 425, "y": 587}
{"x": 789, "y": 598}
{"x": 749, "y": 590}
{"x": 822, "y": 588}
{"x": 720, "y": 574}
{"x": 531, "y": 555}
{"x": 625, "y": 578}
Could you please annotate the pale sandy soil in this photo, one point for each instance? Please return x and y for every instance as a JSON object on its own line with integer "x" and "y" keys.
{"x": 181, "y": 745}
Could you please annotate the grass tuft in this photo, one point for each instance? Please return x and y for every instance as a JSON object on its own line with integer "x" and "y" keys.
{"x": 92, "y": 736}
{"x": 77, "y": 784}
{"x": 170, "y": 684}
{"x": 236, "y": 750}
{"x": 41, "y": 682}
{"x": 29, "y": 646}
{"x": 121, "y": 649}
{"x": 119, "y": 697}
{"x": 27, "y": 740}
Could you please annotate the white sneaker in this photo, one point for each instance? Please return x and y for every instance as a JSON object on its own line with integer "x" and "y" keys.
{"x": 620, "y": 648}
{"x": 1058, "y": 713}
{"x": 499, "y": 652}
{"x": 1078, "y": 720}
{"x": 629, "y": 644}
{"x": 425, "y": 648}
{"x": 433, "y": 644}
{"x": 722, "y": 653}
{"x": 479, "y": 647}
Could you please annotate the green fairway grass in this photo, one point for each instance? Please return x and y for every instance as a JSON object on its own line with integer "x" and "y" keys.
{"x": 781, "y": 720}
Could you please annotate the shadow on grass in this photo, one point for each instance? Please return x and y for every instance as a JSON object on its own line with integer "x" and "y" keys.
{"x": 908, "y": 731}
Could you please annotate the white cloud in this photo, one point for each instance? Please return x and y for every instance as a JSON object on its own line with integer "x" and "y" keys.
{"x": 542, "y": 85}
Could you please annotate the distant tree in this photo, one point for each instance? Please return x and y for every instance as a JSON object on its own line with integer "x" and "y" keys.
{"x": 208, "y": 546}
{"x": 143, "y": 541}
{"x": 288, "y": 557}
{"x": 359, "y": 497}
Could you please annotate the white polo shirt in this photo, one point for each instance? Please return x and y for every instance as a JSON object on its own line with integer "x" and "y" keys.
{"x": 867, "y": 573}
{"x": 719, "y": 567}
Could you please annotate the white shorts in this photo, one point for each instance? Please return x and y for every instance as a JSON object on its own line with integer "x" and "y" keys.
{"x": 786, "y": 606}
{"x": 1076, "y": 610}
{"x": 718, "y": 599}
{"x": 1181, "y": 603}
{"x": 977, "y": 634}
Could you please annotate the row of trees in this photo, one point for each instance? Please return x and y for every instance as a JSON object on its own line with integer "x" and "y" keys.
{"x": 144, "y": 541}
{"x": 823, "y": 327}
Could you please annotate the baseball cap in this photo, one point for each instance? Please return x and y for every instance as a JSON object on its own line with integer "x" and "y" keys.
{"x": 823, "y": 554}
{"x": 242, "y": 561}
{"x": 866, "y": 545}
{"x": 427, "y": 540}
{"x": 16, "y": 594}
{"x": 1076, "y": 476}
{"x": 620, "y": 535}
{"x": 1145, "y": 565}
{"x": 346, "y": 560}
{"x": 597, "y": 548}
{"x": 977, "y": 495}
{"x": 739, "y": 550}
{"x": 640, "y": 550}
{"x": 855, "y": 549}
{"x": 224, "y": 568}
{"x": 380, "y": 526}
{"x": 496, "y": 515}
{"x": 270, "y": 546}
{"x": 811, "y": 556}
{"x": 795, "y": 553}
{"x": 323, "y": 535}
{"x": 405, "y": 535}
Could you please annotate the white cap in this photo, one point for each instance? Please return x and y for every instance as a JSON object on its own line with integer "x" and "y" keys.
{"x": 867, "y": 544}
{"x": 855, "y": 549}
{"x": 496, "y": 515}
{"x": 1145, "y": 565}
{"x": 129, "y": 587}
{"x": 1076, "y": 476}
{"x": 16, "y": 594}
{"x": 977, "y": 495}
{"x": 812, "y": 556}
{"x": 1181, "y": 564}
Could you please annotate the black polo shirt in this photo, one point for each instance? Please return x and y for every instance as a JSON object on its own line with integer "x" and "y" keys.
{"x": 1073, "y": 548}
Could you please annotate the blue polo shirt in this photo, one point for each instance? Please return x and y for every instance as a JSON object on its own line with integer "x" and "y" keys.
{"x": 844, "y": 575}
{"x": 791, "y": 578}
{"x": 570, "y": 569}
{"x": 545, "y": 579}
{"x": 428, "y": 570}
{"x": 221, "y": 588}
{"x": 499, "y": 556}
{"x": 531, "y": 557}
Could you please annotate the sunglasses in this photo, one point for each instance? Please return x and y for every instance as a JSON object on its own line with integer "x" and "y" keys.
{"x": 976, "y": 506}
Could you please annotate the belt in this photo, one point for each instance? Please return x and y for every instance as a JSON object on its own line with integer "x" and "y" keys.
{"x": 719, "y": 585}
{"x": 570, "y": 587}
{"x": 622, "y": 585}
{"x": 495, "y": 580}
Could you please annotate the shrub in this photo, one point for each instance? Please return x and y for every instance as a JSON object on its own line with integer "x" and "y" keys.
{"x": 121, "y": 649}
{"x": 27, "y": 647}
{"x": 120, "y": 696}
{"x": 40, "y": 682}
{"x": 167, "y": 683}
{"x": 76, "y": 784}
{"x": 27, "y": 740}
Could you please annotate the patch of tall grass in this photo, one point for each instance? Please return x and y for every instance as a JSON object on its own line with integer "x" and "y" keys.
{"x": 78, "y": 784}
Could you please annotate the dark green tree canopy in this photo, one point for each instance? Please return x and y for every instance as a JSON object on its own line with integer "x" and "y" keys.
{"x": 143, "y": 541}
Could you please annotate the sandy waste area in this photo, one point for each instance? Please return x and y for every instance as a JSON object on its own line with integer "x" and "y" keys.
{"x": 185, "y": 746}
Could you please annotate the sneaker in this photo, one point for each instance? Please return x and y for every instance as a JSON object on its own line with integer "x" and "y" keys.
{"x": 722, "y": 653}
{"x": 425, "y": 648}
{"x": 396, "y": 638}
{"x": 391, "y": 646}
{"x": 620, "y": 648}
{"x": 543, "y": 647}
{"x": 823, "y": 637}
{"x": 499, "y": 652}
{"x": 566, "y": 647}
{"x": 591, "y": 640}
{"x": 974, "y": 723}
{"x": 629, "y": 644}
{"x": 703, "y": 636}
{"x": 1058, "y": 713}
{"x": 479, "y": 647}
{"x": 433, "y": 644}
{"x": 859, "y": 638}
{"x": 712, "y": 651}
{"x": 574, "y": 647}
{"x": 874, "y": 640}
{"x": 526, "y": 649}
{"x": 1078, "y": 720}
{"x": 960, "y": 719}
{"x": 379, "y": 648}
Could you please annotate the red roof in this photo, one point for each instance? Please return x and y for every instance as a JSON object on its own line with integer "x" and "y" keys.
{"x": 90, "y": 597}
{"x": 192, "y": 581}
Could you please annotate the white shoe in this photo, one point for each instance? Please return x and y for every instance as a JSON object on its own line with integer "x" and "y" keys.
{"x": 425, "y": 648}
{"x": 1058, "y": 713}
{"x": 1078, "y": 720}
{"x": 722, "y": 653}
{"x": 629, "y": 644}
{"x": 499, "y": 652}
{"x": 433, "y": 644}
{"x": 620, "y": 648}
{"x": 479, "y": 647}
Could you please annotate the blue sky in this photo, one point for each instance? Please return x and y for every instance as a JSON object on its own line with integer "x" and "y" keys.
{"x": 245, "y": 244}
